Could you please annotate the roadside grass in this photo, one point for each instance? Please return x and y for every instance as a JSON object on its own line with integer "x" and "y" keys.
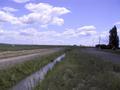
{"x": 81, "y": 71}
{"x": 11, "y": 76}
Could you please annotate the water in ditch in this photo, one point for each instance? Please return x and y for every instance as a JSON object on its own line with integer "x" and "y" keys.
{"x": 31, "y": 81}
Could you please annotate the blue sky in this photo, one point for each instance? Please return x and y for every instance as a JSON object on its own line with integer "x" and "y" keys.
{"x": 58, "y": 21}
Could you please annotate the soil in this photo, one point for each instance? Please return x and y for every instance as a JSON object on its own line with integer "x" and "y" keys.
{"x": 10, "y": 61}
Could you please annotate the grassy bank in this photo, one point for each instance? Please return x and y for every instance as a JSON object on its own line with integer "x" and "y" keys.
{"x": 11, "y": 76}
{"x": 80, "y": 71}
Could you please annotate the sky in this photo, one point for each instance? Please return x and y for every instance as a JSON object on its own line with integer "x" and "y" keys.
{"x": 58, "y": 22}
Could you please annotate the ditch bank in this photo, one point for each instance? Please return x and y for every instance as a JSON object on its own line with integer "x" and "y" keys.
{"x": 31, "y": 81}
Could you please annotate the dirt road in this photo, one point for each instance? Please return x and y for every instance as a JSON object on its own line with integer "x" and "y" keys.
{"x": 8, "y": 54}
{"x": 10, "y": 61}
{"x": 115, "y": 58}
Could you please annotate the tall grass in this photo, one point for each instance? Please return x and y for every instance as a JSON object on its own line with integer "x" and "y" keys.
{"x": 9, "y": 77}
{"x": 81, "y": 71}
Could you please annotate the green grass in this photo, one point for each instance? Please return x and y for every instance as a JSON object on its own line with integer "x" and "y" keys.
{"x": 11, "y": 47}
{"x": 117, "y": 51}
{"x": 9, "y": 77}
{"x": 81, "y": 71}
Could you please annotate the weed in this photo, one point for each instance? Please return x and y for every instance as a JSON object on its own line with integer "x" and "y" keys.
{"x": 81, "y": 71}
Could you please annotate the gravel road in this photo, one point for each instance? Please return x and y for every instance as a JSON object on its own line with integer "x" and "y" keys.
{"x": 7, "y": 62}
{"x": 115, "y": 58}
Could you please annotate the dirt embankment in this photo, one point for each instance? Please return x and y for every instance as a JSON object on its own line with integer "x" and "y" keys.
{"x": 13, "y": 57}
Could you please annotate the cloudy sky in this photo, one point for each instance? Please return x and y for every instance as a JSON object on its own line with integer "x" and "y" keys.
{"x": 67, "y": 22}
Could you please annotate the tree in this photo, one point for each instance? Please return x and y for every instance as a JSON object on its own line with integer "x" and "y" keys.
{"x": 113, "y": 38}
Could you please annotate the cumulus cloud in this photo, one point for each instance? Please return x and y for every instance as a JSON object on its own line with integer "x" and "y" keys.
{"x": 28, "y": 32}
{"x": 40, "y": 7}
{"x": 21, "y": 1}
{"x": 46, "y": 8}
{"x": 9, "y": 9}
{"x": 82, "y": 31}
{"x": 30, "y": 35}
{"x": 57, "y": 21}
{"x": 44, "y": 13}
{"x": 8, "y": 17}
{"x": 87, "y": 30}
{"x": 41, "y": 13}
{"x": 52, "y": 33}
{"x": 35, "y": 18}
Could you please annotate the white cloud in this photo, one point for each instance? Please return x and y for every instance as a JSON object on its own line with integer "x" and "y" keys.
{"x": 46, "y": 8}
{"x": 21, "y": 1}
{"x": 82, "y": 31}
{"x": 28, "y": 32}
{"x": 31, "y": 35}
{"x": 7, "y": 17}
{"x": 57, "y": 21}
{"x": 52, "y": 33}
{"x": 117, "y": 23}
{"x": 44, "y": 26}
{"x": 60, "y": 10}
{"x": 44, "y": 13}
{"x": 87, "y": 30}
{"x": 69, "y": 33}
{"x": 35, "y": 18}
{"x": 39, "y": 8}
{"x": 77, "y": 36}
{"x": 9, "y": 9}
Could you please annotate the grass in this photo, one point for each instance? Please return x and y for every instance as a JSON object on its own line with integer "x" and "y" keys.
{"x": 8, "y": 47}
{"x": 9, "y": 77}
{"x": 81, "y": 71}
{"x": 12, "y": 47}
{"x": 117, "y": 51}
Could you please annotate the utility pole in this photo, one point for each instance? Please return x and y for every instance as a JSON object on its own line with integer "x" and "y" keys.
{"x": 99, "y": 39}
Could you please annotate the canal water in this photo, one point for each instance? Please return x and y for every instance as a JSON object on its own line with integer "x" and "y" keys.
{"x": 31, "y": 81}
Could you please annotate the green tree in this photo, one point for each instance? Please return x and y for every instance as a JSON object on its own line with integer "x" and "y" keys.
{"x": 113, "y": 38}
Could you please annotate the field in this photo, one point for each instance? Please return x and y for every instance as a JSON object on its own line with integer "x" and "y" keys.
{"x": 82, "y": 71}
{"x": 83, "y": 68}
{"x": 15, "y": 47}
